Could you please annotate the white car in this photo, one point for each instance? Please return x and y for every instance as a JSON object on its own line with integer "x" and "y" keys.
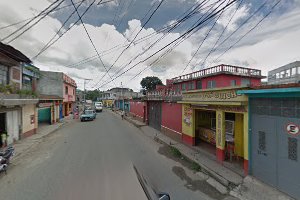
{"x": 98, "y": 106}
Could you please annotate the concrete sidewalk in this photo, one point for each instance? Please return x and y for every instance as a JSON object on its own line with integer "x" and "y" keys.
{"x": 247, "y": 188}
{"x": 24, "y": 145}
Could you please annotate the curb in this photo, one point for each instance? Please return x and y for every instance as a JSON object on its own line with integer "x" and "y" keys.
{"x": 229, "y": 185}
{"x": 204, "y": 169}
{"x": 17, "y": 155}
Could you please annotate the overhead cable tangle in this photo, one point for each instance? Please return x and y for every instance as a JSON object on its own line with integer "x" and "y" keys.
{"x": 184, "y": 35}
{"x": 89, "y": 37}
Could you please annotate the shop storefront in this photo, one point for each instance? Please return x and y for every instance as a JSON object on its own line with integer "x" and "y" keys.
{"x": 218, "y": 118}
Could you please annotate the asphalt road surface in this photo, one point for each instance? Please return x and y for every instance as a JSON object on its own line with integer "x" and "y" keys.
{"x": 93, "y": 161}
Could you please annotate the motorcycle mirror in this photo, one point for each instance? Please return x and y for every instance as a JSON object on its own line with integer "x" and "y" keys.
{"x": 164, "y": 196}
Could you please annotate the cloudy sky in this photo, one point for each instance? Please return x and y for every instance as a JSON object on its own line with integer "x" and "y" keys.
{"x": 147, "y": 26}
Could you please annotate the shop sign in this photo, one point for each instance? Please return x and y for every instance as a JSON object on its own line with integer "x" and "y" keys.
{"x": 218, "y": 95}
{"x": 42, "y": 105}
{"x": 292, "y": 129}
{"x": 219, "y": 129}
{"x": 187, "y": 116}
{"x": 223, "y": 108}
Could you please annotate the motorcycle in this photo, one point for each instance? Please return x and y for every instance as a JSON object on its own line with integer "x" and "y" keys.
{"x": 5, "y": 157}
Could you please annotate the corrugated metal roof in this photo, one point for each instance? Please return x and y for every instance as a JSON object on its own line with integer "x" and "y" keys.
{"x": 13, "y": 53}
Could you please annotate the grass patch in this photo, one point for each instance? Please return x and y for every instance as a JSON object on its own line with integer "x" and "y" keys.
{"x": 175, "y": 152}
{"x": 195, "y": 166}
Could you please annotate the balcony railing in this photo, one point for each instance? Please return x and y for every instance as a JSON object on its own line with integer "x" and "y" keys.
{"x": 218, "y": 69}
{"x": 164, "y": 95}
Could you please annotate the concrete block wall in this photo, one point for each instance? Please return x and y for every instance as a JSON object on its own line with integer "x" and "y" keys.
{"x": 51, "y": 83}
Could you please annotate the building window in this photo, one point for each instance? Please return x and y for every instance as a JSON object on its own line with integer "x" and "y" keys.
{"x": 288, "y": 73}
{"x": 73, "y": 91}
{"x": 282, "y": 74}
{"x": 66, "y": 90}
{"x": 211, "y": 84}
{"x": 294, "y": 71}
{"x": 298, "y": 70}
{"x": 183, "y": 86}
{"x": 245, "y": 82}
{"x": 27, "y": 83}
{"x": 277, "y": 75}
{"x": 199, "y": 84}
{"x": 191, "y": 86}
{"x": 233, "y": 82}
{"x": 3, "y": 75}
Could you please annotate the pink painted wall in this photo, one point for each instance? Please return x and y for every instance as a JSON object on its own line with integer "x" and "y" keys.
{"x": 222, "y": 80}
{"x": 71, "y": 95}
{"x": 171, "y": 116}
{"x": 137, "y": 108}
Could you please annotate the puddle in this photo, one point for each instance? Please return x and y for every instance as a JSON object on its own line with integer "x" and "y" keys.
{"x": 197, "y": 185}
{"x": 191, "y": 184}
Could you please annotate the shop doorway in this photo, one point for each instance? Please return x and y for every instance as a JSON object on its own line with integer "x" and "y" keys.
{"x": 205, "y": 136}
{"x": 2, "y": 125}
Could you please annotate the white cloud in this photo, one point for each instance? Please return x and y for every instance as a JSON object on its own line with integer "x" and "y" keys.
{"x": 274, "y": 43}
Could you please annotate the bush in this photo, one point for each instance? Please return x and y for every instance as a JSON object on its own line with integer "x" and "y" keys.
{"x": 196, "y": 167}
{"x": 175, "y": 152}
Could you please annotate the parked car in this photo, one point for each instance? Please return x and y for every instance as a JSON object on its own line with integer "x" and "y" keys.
{"x": 98, "y": 106}
{"x": 88, "y": 115}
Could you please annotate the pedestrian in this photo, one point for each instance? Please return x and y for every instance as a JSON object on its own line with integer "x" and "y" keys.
{"x": 122, "y": 114}
{"x": 4, "y": 139}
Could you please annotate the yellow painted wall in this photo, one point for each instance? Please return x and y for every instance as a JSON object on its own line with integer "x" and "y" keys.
{"x": 188, "y": 118}
{"x": 239, "y": 135}
{"x": 27, "y": 111}
{"x": 220, "y": 132}
{"x": 246, "y": 139}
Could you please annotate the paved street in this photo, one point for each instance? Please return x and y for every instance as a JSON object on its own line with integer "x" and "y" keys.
{"x": 93, "y": 160}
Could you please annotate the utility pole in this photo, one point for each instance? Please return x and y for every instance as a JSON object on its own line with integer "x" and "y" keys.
{"x": 84, "y": 92}
{"x": 122, "y": 96}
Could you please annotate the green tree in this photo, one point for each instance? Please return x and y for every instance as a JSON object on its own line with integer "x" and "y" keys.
{"x": 150, "y": 82}
{"x": 92, "y": 94}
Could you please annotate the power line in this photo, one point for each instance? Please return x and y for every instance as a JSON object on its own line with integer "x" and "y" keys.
{"x": 172, "y": 27}
{"x": 16, "y": 37}
{"x": 186, "y": 33}
{"x": 57, "y": 33}
{"x": 90, "y": 37}
{"x": 175, "y": 25}
{"x": 9, "y": 35}
{"x": 207, "y": 34}
{"x": 253, "y": 14}
{"x": 86, "y": 10}
{"x": 179, "y": 42}
{"x": 133, "y": 39}
{"x": 31, "y": 18}
{"x": 174, "y": 46}
{"x": 249, "y": 30}
{"x": 213, "y": 48}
